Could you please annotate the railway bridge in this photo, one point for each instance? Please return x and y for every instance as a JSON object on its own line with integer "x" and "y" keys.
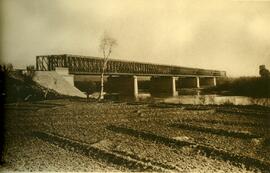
{"x": 123, "y": 75}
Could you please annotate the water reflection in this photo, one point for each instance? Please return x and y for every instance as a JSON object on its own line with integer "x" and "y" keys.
{"x": 200, "y": 99}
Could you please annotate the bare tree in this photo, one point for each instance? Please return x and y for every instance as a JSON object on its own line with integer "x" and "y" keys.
{"x": 106, "y": 45}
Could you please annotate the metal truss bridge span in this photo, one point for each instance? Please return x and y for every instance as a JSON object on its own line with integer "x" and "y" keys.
{"x": 92, "y": 65}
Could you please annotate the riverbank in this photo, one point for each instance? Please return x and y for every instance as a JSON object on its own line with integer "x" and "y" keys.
{"x": 256, "y": 87}
{"x": 73, "y": 135}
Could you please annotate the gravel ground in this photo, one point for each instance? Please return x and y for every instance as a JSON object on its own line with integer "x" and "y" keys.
{"x": 83, "y": 127}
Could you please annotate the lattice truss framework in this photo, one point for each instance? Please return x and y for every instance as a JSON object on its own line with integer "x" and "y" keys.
{"x": 93, "y": 65}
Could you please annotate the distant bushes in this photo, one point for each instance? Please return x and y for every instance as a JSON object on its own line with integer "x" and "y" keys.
{"x": 144, "y": 85}
{"x": 243, "y": 86}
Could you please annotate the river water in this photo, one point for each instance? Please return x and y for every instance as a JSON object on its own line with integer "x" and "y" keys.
{"x": 211, "y": 100}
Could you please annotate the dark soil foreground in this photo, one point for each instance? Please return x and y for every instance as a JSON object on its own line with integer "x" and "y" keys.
{"x": 73, "y": 135}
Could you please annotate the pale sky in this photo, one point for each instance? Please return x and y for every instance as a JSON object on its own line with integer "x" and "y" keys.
{"x": 225, "y": 35}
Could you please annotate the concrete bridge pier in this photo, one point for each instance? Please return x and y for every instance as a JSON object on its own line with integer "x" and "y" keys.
{"x": 163, "y": 86}
{"x": 208, "y": 81}
{"x": 124, "y": 85}
{"x": 189, "y": 82}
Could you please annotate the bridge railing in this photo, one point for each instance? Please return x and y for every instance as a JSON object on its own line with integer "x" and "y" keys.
{"x": 93, "y": 65}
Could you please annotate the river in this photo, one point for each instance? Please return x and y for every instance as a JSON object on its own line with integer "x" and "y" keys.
{"x": 210, "y": 100}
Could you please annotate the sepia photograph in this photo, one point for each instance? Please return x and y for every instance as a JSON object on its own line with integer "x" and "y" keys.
{"x": 135, "y": 86}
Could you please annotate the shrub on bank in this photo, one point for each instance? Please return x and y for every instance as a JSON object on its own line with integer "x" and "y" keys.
{"x": 89, "y": 87}
{"x": 17, "y": 86}
{"x": 244, "y": 86}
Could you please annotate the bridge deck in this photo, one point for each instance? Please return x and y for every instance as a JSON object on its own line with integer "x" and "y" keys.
{"x": 92, "y": 65}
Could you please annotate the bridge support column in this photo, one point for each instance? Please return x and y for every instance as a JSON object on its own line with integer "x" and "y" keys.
{"x": 198, "y": 85}
{"x": 163, "y": 86}
{"x": 189, "y": 82}
{"x": 124, "y": 85}
{"x": 208, "y": 81}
